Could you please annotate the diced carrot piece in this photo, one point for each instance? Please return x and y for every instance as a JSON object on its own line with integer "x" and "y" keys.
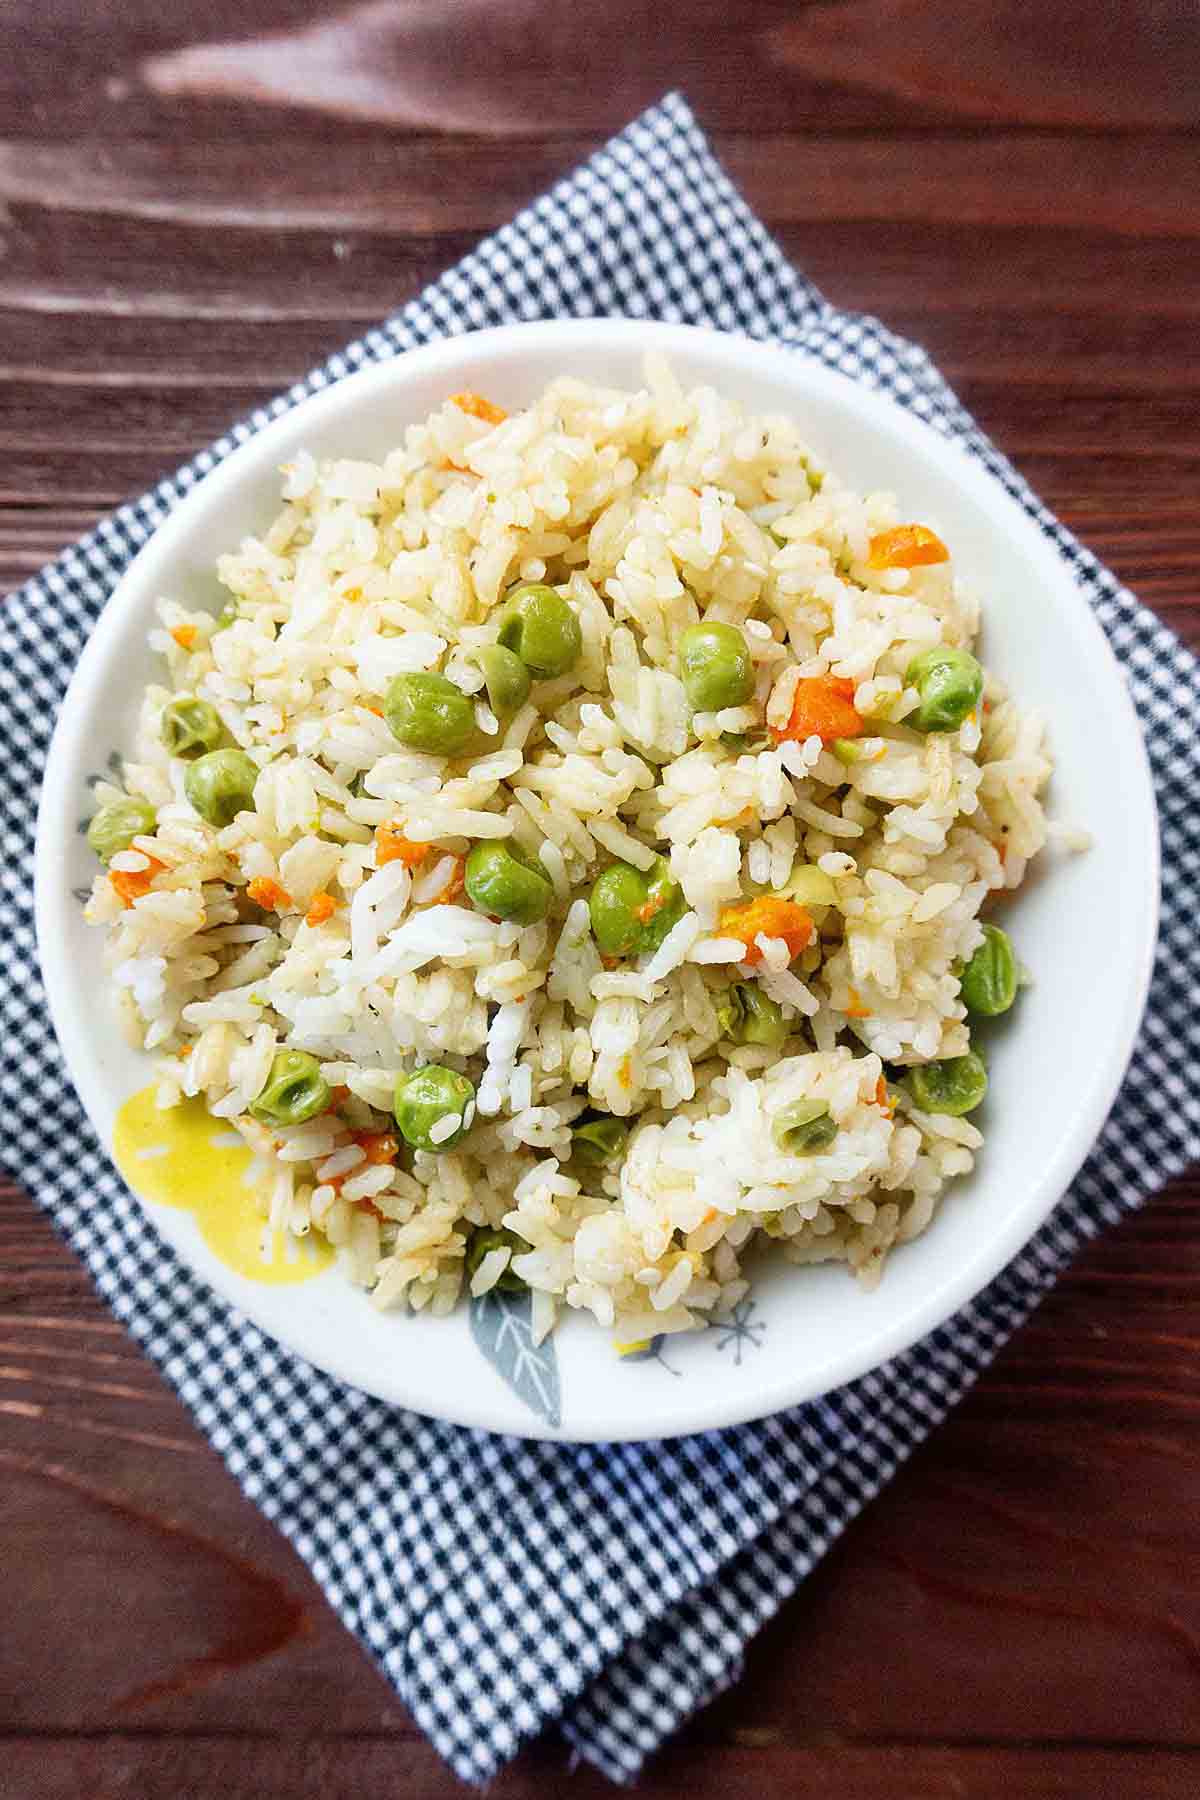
{"x": 268, "y": 894}
{"x": 856, "y": 1009}
{"x": 184, "y": 635}
{"x": 391, "y": 845}
{"x": 337, "y": 1095}
{"x": 768, "y": 916}
{"x": 323, "y": 907}
{"x": 906, "y": 547}
{"x": 823, "y": 706}
{"x": 882, "y": 1098}
{"x": 130, "y": 884}
{"x": 378, "y": 1146}
{"x": 479, "y": 408}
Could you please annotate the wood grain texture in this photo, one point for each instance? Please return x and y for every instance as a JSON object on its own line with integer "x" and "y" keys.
{"x": 197, "y": 204}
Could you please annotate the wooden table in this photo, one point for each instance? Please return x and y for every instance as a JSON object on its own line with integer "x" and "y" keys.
{"x": 196, "y": 204}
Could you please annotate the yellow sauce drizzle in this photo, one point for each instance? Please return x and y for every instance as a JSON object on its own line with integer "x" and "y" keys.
{"x": 184, "y": 1158}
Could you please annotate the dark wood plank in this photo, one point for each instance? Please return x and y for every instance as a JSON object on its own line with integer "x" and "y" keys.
{"x": 164, "y": 1769}
{"x": 112, "y": 70}
{"x": 1137, "y": 185}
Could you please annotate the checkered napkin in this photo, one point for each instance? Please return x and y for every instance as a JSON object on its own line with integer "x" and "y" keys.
{"x": 504, "y": 1586}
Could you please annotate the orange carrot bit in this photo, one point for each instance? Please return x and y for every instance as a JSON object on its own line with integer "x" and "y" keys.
{"x": 882, "y": 1098}
{"x": 391, "y": 845}
{"x": 906, "y": 547}
{"x": 454, "y": 884}
{"x": 184, "y": 635}
{"x": 479, "y": 408}
{"x": 377, "y": 710}
{"x": 856, "y": 1009}
{"x": 378, "y": 1146}
{"x": 769, "y": 916}
{"x": 653, "y": 904}
{"x": 323, "y": 907}
{"x": 823, "y": 706}
{"x": 268, "y": 894}
{"x": 130, "y": 884}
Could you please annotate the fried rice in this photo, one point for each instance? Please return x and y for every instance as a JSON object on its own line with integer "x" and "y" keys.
{"x": 289, "y": 928}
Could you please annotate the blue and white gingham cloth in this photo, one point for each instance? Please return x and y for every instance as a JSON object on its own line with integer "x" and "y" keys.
{"x": 626, "y": 1581}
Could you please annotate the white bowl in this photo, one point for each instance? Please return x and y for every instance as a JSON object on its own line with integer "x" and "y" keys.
{"x": 1085, "y": 925}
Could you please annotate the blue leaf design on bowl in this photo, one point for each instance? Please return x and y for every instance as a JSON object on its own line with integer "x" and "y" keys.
{"x": 501, "y": 1325}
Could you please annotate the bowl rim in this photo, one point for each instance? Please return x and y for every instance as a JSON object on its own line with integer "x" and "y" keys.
{"x": 510, "y": 343}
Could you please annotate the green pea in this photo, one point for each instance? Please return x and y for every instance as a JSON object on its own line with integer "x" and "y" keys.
{"x": 804, "y": 1128}
{"x": 189, "y": 727}
{"x": 505, "y": 676}
{"x": 748, "y": 1016}
{"x": 221, "y": 785}
{"x": 599, "y": 1141}
{"x": 662, "y": 908}
{"x": 428, "y": 1095}
{"x": 115, "y": 827}
{"x": 427, "y": 712}
{"x": 949, "y": 682}
{"x": 613, "y": 906}
{"x": 294, "y": 1090}
{"x": 989, "y": 981}
{"x": 486, "y": 1238}
{"x": 632, "y": 911}
{"x": 955, "y": 1086}
{"x": 538, "y": 626}
{"x": 501, "y": 880}
{"x": 715, "y": 667}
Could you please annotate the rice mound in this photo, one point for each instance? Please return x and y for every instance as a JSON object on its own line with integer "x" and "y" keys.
{"x": 646, "y": 511}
